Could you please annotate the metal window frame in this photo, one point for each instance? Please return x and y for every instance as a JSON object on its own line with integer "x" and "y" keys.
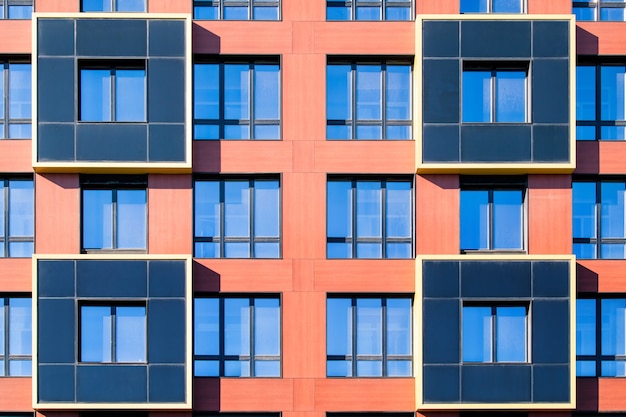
{"x": 7, "y": 357}
{"x": 252, "y": 121}
{"x": 383, "y": 122}
{"x": 113, "y": 4}
{"x": 5, "y": 119}
{"x": 597, "y": 7}
{"x": 252, "y": 239}
{"x": 383, "y": 5}
{"x": 6, "y": 239}
{"x": 252, "y": 358}
{"x": 5, "y": 4}
{"x": 490, "y": 8}
{"x": 251, "y": 5}
{"x": 384, "y": 357}
{"x": 383, "y": 240}
{"x": 113, "y": 309}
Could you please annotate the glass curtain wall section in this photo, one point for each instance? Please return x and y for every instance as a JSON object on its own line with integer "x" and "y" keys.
{"x": 492, "y": 6}
{"x": 369, "y": 10}
{"x": 16, "y": 217}
{"x": 236, "y": 9}
{"x": 609, "y": 10}
{"x": 494, "y": 95}
{"x": 113, "y": 6}
{"x": 15, "y": 108}
{"x": 16, "y": 337}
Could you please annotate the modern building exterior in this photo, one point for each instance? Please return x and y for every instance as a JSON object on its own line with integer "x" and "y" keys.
{"x": 312, "y": 208}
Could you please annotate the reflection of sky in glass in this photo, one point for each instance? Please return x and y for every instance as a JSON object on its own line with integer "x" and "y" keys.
{"x": 584, "y": 209}
{"x": 585, "y": 327}
{"x": 338, "y": 326}
{"x": 477, "y": 334}
{"x": 585, "y": 93}
{"x": 511, "y": 334}
{"x": 474, "y": 219}
{"x": 612, "y": 94}
{"x": 20, "y": 337}
{"x": 507, "y": 219}
{"x": 612, "y": 209}
{"x": 613, "y": 327}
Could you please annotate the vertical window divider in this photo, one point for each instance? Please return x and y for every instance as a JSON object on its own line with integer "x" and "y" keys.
{"x": 7, "y": 93}
{"x": 7, "y": 214}
{"x": 383, "y": 218}
{"x": 354, "y": 358}
{"x": 114, "y": 218}
{"x": 251, "y": 86}
{"x": 251, "y": 234}
{"x": 598, "y": 213}
{"x": 113, "y": 334}
{"x": 251, "y": 336}
{"x": 7, "y": 333}
{"x": 221, "y": 94}
{"x": 222, "y": 236}
{"x": 222, "y": 333}
{"x": 384, "y": 328}
{"x": 354, "y": 237}
{"x": 598, "y": 320}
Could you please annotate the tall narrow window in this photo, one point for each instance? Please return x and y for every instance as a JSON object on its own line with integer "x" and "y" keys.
{"x": 16, "y": 337}
{"x": 16, "y": 9}
{"x": 16, "y": 217}
{"x": 369, "y": 10}
{"x": 611, "y": 10}
{"x": 495, "y": 95}
{"x": 368, "y": 100}
{"x": 492, "y": 6}
{"x": 15, "y": 108}
{"x": 113, "y": 6}
{"x": 236, "y": 9}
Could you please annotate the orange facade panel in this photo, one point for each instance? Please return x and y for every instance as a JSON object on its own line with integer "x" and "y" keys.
{"x": 365, "y": 394}
{"x": 57, "y": 208}
{"x": 600, "y": 157}
{"x": 549, "y": 7}
{"x": 365, "y": 275}
{"x": 598, "y": 275}
{"x": 259, "y": 394}
{"x": 16, "y": 275}
{"x": 65, "y": 6}
{"x": 15, "y": 156}
{"x": 438, "y": 7}
{"x": 438, "y": 220}
{"x": 547, "y": 233}
{"x": 169, "y": 6}
{"x": 237, "y": 37}
{"x": 237, "y": 275}
{"x": 228, "y": 156}
{"x": 384, "y": 157}
{"x": 600, "y": 38}
{"x": 16, "y": 395}
{"x": 15, "y": 36}
{"x": 354, "y": 38}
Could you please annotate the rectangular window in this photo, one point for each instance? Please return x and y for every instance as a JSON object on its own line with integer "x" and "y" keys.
{"x": 114, "y": 214}
{"x": 237, "y": 336}
{"x": 492, "y": 216}
{"x": 113, "y": 6}
{"x": 237, "y": 100}
{"x": 16, "y": 9}
{"x": 15, "y": 108}
{"x": 237, "y": 218}
{"x": 492, "y": 6}
{"x": 16, "y": 337}
{"x": 610, "y": 10}
{"x": 369, "y": 10}
{"x": 598, "y": 219}
{"x": 113, "y": 94}
{"x": 368, "y": 100}
{"x": 369, "y": 218}
{"x": 369, "y": 336}
{"x": 236, "y": 9}
{"x": 600, "y": 102}
{"x": 495, "y": 333}
{"x": 495, "y": 95}
{"x": 16, "y": 217}
{"x": 601, "y": 337}
{"x": 113, "y": 333}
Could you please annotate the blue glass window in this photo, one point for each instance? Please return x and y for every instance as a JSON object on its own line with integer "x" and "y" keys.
{"x": 113, "y": 333}
{"x": 368, "y": 100}
{"x": 113, "y": 94}
{"x": 600, "y": 102}
{"x": 492, "y": 6}
{"x": 237, "y": 336}
{"x": 237, "y": 100}
{"x": 237, "y": 218}
{"x": 16, "y": 217}
{"x": 113, "y": 6}
{"x": 495, "y": 333}
{"x": 608, "y": 10}
{"x": 492, "y": 219}
{"x": 15, "y": 108}
{"x": 114, "y": 218}
{"x": 369, "y": 336}
{"x": 16, "y": 9}
{"x": 15, "y": 337}
{"x": 494, "y": 95}
{"x": 369, "y": 218}
{"x": 598, "y": 219}
{"x": 236, "y": 9}
{"x": 369, "y": 10}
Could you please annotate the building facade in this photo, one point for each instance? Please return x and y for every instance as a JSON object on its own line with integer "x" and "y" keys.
{"x": 313, "y": 208}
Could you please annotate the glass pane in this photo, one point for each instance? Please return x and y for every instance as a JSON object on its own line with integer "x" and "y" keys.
{"x": 477, "y": 334}
{"x": 207, "y": 250}
{"x": 474, "y": 6}
{"x": 236, "y": 209}
{"x": 21, "y": 206}
{"x": 205, "y": 12}
{"x": 20, "y": 319}
{"x": 398, "y": 210}
{"x": 398, "y": 250}
{"x": 369, "y": 250}
{"x": 368, "y": 92}
{"x": 206, "y": 368}
{"x": 337, "y": 11}
{"x": 95, "y": 95}
{"x": 207, "y": 208}
{"x": 613, "y": 132}
{"x": 267, "y": 132}
{"x": 612, "y": 93}
{"x": 96, "y": 6}
{"x": 237, "y": 368}
{"x": 369, "y": 326}
{"x": 612, "y": 14}
{"x": 476, "y": 96}
{"x": 368, "y": 13}
{"x": 206, "y": 326}
{"x": 20, "y": 87}
{"x": 507, "y": 6}
{"x": 398, "y": 13}
{"x": 368, "y": 209}
{"x": 338, "y": 132}
{"x": 20, "y": 12}
{"x": 236, "y": 326}
{"x": 206, "y": 97}
{"x": 339, "y": 209}
{"x": 338, "y": 368}
{"x": 474, "y": 219}
{"x": 265, "y": 13}
{"x": 20, "y": 367}
{"x": 236, "y": 250}
{"x": 130, "y": 334}
{"x": 235, "y": 13}
{"x": 399, "y": 368}
{"x": 130, "y": 95}
{"x": 369, "y": 132}
{"x": 612, "y": 209}
{"x": 97, "y": 219}
{"x": 612, "y": 251}
{"x": 511, "y": 340}
{"x": 266, "y": 326}
{"x": 208, "y": 132}
{"x": 266, "y": 368}
{"x": 613, "y": 368}
{"x": 19, "y": 131}
{"x": 236, "y": 91}
{"x": 131, "y": 5}
{"x": 398, "y": 132}
{"x": 3, "y": 330}
{"x": 584, "y": 13}
{"x": 21, "y": 249}
{"x": 338, "y": 93}
{"x": 339, "y": 250}
{"x": 585, "y": 93}
{"x": 95, "y": 334}
{"x": 585, "y": 327}
{"x": 585, "y": 368}
{"x": 369, "y": 368}
{"x": 507, "y": 219}
{"x": 585, "y": 250}
{"x": 266, "y": 208}
{"x": 131, "y": 219}
{"x": 338, "y": 326}
{"x": 511, "y": 96}
{"x": 266, "y": 92}
{"x": 584, "y": 209}
{"x": 399, "y": 326}
{"x": 237, "y": 132}
{"x": 613, "y": 322}
{"x": 2, "y": 211}
{"x": 585, "y": 133}
{"x": 267, "y": 250}
{"x": 398, "y": 104}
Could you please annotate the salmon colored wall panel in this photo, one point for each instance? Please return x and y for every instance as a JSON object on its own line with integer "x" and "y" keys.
{"x": 586, "y": 394}
{"x": 57, "y": 208}
{"x": 587, "y": 157}
{"x": 549, "y": 7}
{"x": 365, "y": 394}
{"x": 303, "y": 37}
{"x": 304, "y": 156}
{"x": 387, "y": 38}
{"x": 304, "y": 89}
{"x": 303, "y": 275}
{"x": 237, "y": 275}
{"x": 16, "y": 394}
{"x": 206, "y": 394}
{"x": 15, "y": 156}
{"x": 303, "y": 395}
{"x": 611, "y": 394}
{"x": 304, "y": 336}
{"x": 258, "y": 394}
{"x": 242, "y": 156}
{"x": 15, "y": 36}
{"x": 169, "y": 6}
{"x": 304, "y": 216}
{"x": 388, "y": 157}
{"x": 437, "y": 228}
{"x": 365, "y": 275}
{"x": 547, "y": 233}
{"x": 600, "y": 38}
{"x": 612, "y": 157}
{"x": 16, "y": 275}
{"x": 437, "y": 7}
{"x": 57, "y": 6}
{"x": 605, "y": 275}
{"x": 298, "y": 10}
{"x": 235, "y": 37}
{"x": 170, "y": 216}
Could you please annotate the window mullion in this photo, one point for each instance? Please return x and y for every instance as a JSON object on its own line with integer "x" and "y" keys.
{"x": 490, "y": 220}
{"x": 7, "y": 215}
{"x": 384, "y": 335}
{"x": 598, "y": 209}
{"x": 493, "y": 105}
{"x": 114, "y": 218}
{"x": 354, "y": 219}
{"x": 222, "y": 218}
{"x": 494, "y": 334}
{"x": 221, "y": 94}
{"x": 7, "y": 94}
{"x": 222, "y": 325}
{"x": 598, "y": 103}
{"x": 598, "y": 337}
{"x": 113, "y": 331}
{"x": 113, "y": 98}
{"x": 7, "y": 333}
{"x": 383, "y": 93}
{"x": 251, "y": 336}
{"x": 354, "y": 337}
{"x": 251, "y": 235}
{"x": 383, "y": 218}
